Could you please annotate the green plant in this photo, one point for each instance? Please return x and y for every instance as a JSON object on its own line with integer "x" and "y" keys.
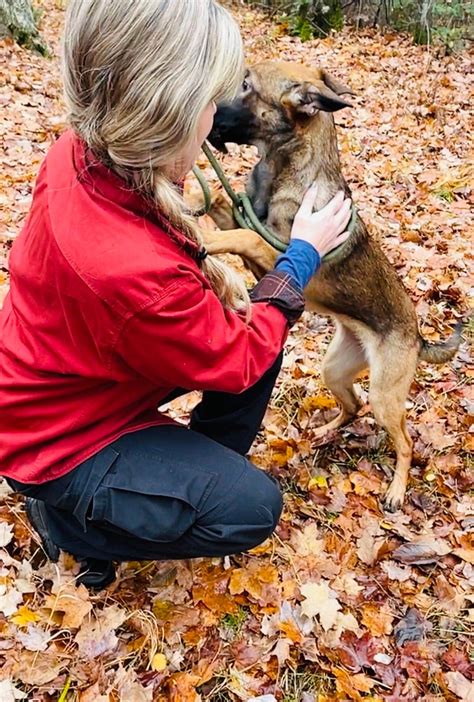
{"x": 310, "y": 18}
{"x": 447, "y": 23}
{"x": 234, "y": 622}
{"x": 433, "y": 21}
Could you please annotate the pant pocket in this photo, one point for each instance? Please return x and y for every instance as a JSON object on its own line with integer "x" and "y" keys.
{"x": 87, "y": 478}
{"x": 152, "y": 497}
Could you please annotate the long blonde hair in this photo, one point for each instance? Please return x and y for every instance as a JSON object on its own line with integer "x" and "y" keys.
{"x": 137, "y": 76}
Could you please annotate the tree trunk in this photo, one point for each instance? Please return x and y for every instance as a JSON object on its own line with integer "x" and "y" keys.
{"x": 17, "y": 20}
{"x": 423, "y": 26}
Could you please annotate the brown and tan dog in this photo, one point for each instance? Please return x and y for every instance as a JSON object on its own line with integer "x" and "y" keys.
{"x": 285, "y": 110}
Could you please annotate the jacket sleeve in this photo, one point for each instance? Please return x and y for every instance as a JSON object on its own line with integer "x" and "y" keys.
{"x": 186, "y": 338}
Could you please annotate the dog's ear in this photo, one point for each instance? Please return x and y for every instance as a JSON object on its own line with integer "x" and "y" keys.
{"x": 321, "y": 94}
{"x": 334, "y": 84}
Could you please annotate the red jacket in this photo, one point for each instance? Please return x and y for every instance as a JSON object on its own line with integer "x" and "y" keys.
{"x": 107, "y": 314}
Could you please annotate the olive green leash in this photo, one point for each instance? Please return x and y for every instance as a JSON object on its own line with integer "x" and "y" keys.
{"x": 243, "y": 212}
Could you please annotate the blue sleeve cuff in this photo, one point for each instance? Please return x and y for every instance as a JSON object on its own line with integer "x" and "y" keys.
{"x": 300, "y": 260}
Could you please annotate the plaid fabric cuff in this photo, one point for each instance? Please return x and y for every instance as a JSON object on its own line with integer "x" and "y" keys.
{"x": 279, "y": 288}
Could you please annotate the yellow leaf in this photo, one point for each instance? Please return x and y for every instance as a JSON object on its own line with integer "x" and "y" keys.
{"x": 162, "y": 609}
{"x": 318, "y": 481}
{"x": 159, "y": 662}
{"x": 24, "y": 616}
{"x": 314, "y": 402}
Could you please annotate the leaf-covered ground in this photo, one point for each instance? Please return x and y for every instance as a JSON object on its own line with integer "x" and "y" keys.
{"x": 345, "y": 602}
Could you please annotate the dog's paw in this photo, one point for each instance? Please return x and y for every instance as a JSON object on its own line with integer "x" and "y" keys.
{"x": 394, "y": 498}
{"x": 220, "y": 202}
{"x": 221, "y": 212}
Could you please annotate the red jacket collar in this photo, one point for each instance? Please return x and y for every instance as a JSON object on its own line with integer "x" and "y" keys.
{"x": 93, "y": 173}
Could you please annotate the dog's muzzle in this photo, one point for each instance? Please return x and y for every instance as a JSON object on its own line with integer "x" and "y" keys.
{"x": 233, "y": 122}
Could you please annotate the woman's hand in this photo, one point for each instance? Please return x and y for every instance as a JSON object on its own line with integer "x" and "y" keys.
{"x": 325, "y": 229}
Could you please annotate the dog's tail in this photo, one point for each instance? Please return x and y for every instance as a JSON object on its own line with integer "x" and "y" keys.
{"x": 442, "y": 351}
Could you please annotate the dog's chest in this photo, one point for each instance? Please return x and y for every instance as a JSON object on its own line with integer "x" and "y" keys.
{"x": 266, "y": 177}
{"x": 259, "y": 187}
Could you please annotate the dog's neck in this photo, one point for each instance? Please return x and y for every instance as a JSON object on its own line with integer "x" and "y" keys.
{"x": 313, "y": 149}
{"x": 321, "y": 143}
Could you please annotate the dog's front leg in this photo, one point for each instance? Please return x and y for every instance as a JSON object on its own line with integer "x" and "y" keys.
{"x": 221, "y": 213}
{"x": 257, "y": 255}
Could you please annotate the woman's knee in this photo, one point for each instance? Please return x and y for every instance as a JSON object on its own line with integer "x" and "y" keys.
{"x": 252, "y": 513}
{"x": 273, "y": 503}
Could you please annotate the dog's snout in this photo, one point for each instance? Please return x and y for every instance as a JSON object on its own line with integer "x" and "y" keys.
{"x": 233, "y": 122}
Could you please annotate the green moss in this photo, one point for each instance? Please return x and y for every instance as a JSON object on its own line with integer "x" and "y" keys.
{"x": 234, "y": 622}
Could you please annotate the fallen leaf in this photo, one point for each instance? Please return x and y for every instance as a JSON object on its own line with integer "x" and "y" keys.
{"x": 282, "y": 651}
{"x": 92, "y": 694}
{"x": 308, "y": 541}
{"x": 466, "y": 554}
{"x": 24, "y": 616}
{"x": 422, "y": 551}
{"x": 73, "y": 602}
{"x": 412, "y": 627}
{"x": 320, "y": 601}
{"x": 396, "y": 572}
{"x": 377, "y": 618}
{"x": 10, "y": 693}
{"x": 6, "y": 533}
{"x": 351, "y": 685}
{"x": 97, "y": 636}
{"x": 319, "y": 481}
{"x": 253, "y": 579}
{"x": 460, "y": 685}
{"x": 10, "y": 598}
{"x": 34, "y": 639}
{"x": 368, "y": 547}
{"x": 39, "y": 667}
{"x": 365, "y": 484}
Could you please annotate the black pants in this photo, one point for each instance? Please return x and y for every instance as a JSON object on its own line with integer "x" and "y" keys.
{"x": 170, "y": 492}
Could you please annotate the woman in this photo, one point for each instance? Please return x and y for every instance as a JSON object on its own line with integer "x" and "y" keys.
{"x": 115, "y": 307}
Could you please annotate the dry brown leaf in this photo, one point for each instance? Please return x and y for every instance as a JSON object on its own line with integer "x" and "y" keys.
{"x": 73, "y": 602}
{"x": 39, "y": 668}
{"x": 253, "y": 579}
{"x": 461, "y": 686}
{"x": 422, "y": 551}
{"x": 377, "y": 618}
{"x": 92, "y": 694}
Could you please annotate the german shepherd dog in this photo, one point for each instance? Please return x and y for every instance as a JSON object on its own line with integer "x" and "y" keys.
{"x": 285, "y": 110}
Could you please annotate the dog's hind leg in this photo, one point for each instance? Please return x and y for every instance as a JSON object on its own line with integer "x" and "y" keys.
{"x": 392, "y": 369}
{"x": 344, "y": 359}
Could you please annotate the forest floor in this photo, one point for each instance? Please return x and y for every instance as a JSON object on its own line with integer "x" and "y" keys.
{"x": 346, "y": 601}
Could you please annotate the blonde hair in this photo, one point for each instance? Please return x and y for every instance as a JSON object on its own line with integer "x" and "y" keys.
{"x": 137, "y": 76}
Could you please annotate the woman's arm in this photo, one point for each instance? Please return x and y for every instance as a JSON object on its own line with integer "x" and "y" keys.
{"x": 187, "y": 339}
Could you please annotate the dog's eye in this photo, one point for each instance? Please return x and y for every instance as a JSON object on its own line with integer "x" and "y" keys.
{"x": 245, "y": 85}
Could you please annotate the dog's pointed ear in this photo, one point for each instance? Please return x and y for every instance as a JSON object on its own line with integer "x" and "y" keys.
{"x": 321, "y": 94}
